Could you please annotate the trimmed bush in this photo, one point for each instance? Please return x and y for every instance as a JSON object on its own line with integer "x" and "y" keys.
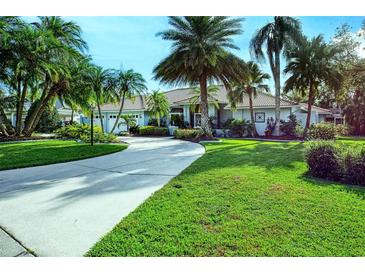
{"x": 323, "y": 159}
{"x": 354, "y": 165}
{"x": 289, "y": 127}
{"x": 188, "y": 134}
{"x": 342, "y": 130}
{"x": 322, "y": 131}
{"x": 83, "y": 133}
{"x": 153, "y": 131}
{"x": 337, "y": 162}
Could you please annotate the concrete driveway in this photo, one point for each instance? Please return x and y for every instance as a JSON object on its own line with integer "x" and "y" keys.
{"x": 63, "y": 209}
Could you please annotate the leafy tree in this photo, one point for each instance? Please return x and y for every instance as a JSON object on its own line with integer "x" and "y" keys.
{"x": 310, "y": 65}
{"x": 276, "y": 37}
{"x": 199, "y": 55}
{"x": 250, "y": 85}
{"x": 127, "y": 84}
{"x": 158, "y": 105}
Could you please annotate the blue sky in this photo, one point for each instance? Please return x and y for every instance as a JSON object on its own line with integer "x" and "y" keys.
{"x": 131, "y": 41}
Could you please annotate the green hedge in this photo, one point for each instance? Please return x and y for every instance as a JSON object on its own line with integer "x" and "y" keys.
{"x": 83, "y": 133}
{"x": 153, "y": 131}
{"x": 338, "y": 162}
{"x": 188, "y": 134}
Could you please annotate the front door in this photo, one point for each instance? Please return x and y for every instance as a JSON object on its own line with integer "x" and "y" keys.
{"x": 197, "y": 120}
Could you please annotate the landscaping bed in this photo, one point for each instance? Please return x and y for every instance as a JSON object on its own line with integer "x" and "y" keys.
{"x": 244, "y": 198}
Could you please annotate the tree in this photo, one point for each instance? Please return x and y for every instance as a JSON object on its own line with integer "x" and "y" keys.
{"x": 128, "y": 119}
{"x": 310, "y": 65}
{"x": 194, "y": 101}
{"x": 276, "y": 36}
{"x": 199, "y": 55}
{"x": 158, "y": 105}
{"x": 127, "y": 84}
{"x": 250, "y": 84}
{"x": 63, "y": 52}
{"x": 100, "y": 84}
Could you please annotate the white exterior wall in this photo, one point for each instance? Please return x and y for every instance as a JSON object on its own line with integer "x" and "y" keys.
{"x": 109, "y": 120}
{"x": 186, "y": 113}
{"x": 269, "y": 112}
{"x": 212, "y": 111}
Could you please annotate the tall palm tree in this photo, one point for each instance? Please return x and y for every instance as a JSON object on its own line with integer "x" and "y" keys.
{"x": 310, "y": 65}
{"x": 276, "y": 36}
{"x": 200, "y": 55}
{"x": 127, "y": 84}
{"x": 99, "y": 80}
{"x": 251, "y": 84}
{"x": 158, "y": 105}
{"x": 63, "y": 52}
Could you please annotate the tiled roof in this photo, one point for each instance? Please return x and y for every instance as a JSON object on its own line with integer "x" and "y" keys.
{"x": 182, "y": 96}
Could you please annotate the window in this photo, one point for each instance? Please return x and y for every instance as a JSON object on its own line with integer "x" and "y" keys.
{"x": 259, "y": 117}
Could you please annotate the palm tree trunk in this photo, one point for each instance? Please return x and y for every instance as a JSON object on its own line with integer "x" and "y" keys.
{"x": 158, "y": 119}
{"x": 119, "y": 113}
{"x": 251, "y": 113}
{"x": 100, "y": 117}
{"x": 204, "y": 107}
{"x": 72, "y": 116}
{"x": 29, "y": 124}
{"x": 310, "y": 103}
{"x": 42, "y": 106}
{"x": 4, "y": 121}
{"x": 20, "y": 106}
{"x": 277, "y": 94}
{"x": 3, "y": 130}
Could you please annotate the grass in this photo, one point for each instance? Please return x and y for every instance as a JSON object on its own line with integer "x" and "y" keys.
{"x": 26, "y": 154}
{"x": 244, "y": 198}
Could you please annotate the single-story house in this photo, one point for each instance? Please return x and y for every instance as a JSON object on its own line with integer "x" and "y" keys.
{"x": 219, "y": 110}
{"x": 63, "y": 110}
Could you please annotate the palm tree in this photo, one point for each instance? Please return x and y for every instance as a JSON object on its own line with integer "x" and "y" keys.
{"x": 127, "y": 84}
{"x": 194, "y": 101}
{"x": 99, "y": 80}
{"x": 252, "y": 83}
{"x": 310, "y": 65}
{"x": 200, "y": 55}
{"x": 129, "y": 120}
{"x": 158, "y": 105}
{"x": 276, "y": 36}
{"x": 63, "y": 53}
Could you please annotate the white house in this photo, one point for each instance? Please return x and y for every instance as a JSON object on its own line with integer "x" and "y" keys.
{"x": 180, "y": 104}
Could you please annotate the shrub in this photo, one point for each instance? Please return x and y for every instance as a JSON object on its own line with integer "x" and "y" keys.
{"x": 342, "y": 130}
{"x": 322, "y": 131}
{"x": 188, "y": 134}
{"x": 323, "y": 159}
{"x": 227, "y": 123}
{"x": 328, "y": 160}
{"x": 153, "y": 131}
{"x": 289, "y": 127}
{"x": 83, "y": 133}
{"x": 134, "y": 129}
{"x": 239, "y": 128}
{"x": 354, "y": 165}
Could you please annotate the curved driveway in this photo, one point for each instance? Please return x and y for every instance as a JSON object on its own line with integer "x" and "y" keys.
{"x": 63, "y": 209}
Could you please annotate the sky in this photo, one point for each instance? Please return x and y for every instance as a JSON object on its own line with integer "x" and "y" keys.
{"x": 131, "y": 42}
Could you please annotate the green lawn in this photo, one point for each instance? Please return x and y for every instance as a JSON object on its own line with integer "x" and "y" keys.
{"x": 25, "y": 154}
{"x": 244, "y": 198}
